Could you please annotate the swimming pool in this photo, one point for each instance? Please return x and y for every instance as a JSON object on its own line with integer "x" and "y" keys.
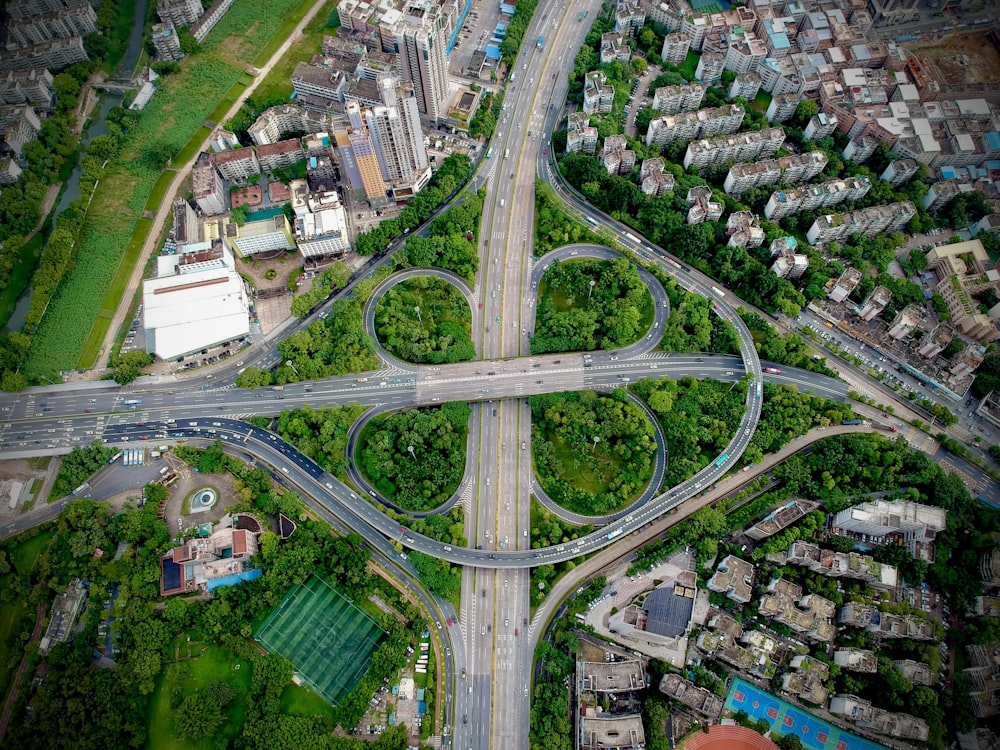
{"x": 785, "y": 718}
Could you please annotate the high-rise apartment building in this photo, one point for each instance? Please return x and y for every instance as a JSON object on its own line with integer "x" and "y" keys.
{"x": 206, "y": 184}
{"x": 866, "y": 221}
{"x": 899, "y": 171}
{"x": 874, "y": 303}
{"x": 906, "y": 322}
{"x": 811, "y": 197}
{"x": 55, "y": 54}
{"x": 669, "y": 100}
{"x": 399, "y": 143}
{"x": 745, "y": 86}
{"x": 580, "y": 136}
{"x": 166, "y": 42}
{"x": 421, "y": 37}
{"x": 782, "y": 107}
{"x": 653, "y": 180}
{"x": 179, "y": 12}
{"x": 675, "y": 48}
{"x": 598, "y": 94}
{"x": 794, "y": 168}
{"x": 19, "y": 125}
{"x": 820, "y": 126}
{"x": 738, "y": 147}
{"x": 935, "y": 340}
{"x": 893, "y": 12}
{"x": 26, "y": 87}
{"x": 76, "y": 20}
{"x": 705, "y": 123}
{"x": 237, "y": 165}
{"x": 846, "y": 284}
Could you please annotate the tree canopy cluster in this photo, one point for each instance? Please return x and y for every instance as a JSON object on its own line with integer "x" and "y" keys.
{"x": 321, "y": 433}
{"x": 81, "y": 707}
{"x": 425, "y": 320}
{"x": 698, "y": 419}
{"x": 454, "y": 172}
{"x": 988, "y": 375}
{"x": 430, "y": 474}
{"x": 451, "y": 241}
{"x": 440, "y": 576}
{"x": 81, "y": 464}
{"x": 593, "y": 453}
{"x": 553, "y": 226}
{"x": 587, "y": 305}
{"x": 691, "y": 326}
{"x": 326, "y": 283}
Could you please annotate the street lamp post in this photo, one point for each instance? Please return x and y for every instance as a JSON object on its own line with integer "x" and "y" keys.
{"x": 410, "y": 449}
{"x": 288, "y": 363}
{"x": 592, "y": 285}
{"x": 416, "y": 309}
{"x": 597, "y": 439}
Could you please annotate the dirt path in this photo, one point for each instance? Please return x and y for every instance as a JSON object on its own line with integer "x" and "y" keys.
{"x": 16, "y": 687}
{"x": 180, "y": 174}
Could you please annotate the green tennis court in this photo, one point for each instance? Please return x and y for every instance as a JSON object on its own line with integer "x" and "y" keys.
{"x": 326, "y": 638}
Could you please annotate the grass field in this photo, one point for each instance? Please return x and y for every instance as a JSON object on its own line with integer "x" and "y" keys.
{"x": 761, "y": 102}
{"x": 279, "y": 81}
{"x": 327, "y": 639}
{"x": 80, "y": 313}
{"x": 298, "y": 700}
{"x": 24, "y": 554}
{"x": 689, "y": 65}
{"x": 593, "y": 475}
{"x": 215, "y": 664}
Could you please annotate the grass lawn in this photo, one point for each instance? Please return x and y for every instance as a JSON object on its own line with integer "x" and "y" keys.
{"x": 279, "y": 81}
{"x": 298, "y": 700}
{"x": 593, "y": 475}
{"x": 24, "y": 554}
{"x": 762, "y": 101}
{"x": 216, "y": 664}
{"x": 687, "y": 67}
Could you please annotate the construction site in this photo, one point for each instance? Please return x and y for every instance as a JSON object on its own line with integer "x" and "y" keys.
{"x": 961, "y": 65}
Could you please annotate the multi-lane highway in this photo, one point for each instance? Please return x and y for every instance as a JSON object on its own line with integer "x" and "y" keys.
{"x": 492, "y": 642}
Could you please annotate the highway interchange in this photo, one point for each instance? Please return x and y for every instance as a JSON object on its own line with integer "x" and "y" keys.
{"x": 492, "y": 638}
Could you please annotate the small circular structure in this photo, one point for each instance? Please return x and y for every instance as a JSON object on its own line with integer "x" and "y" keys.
{"x": 203, "y": 498}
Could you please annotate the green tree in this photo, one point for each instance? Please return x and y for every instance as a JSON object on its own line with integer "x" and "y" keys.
{"x": 198, "y": 716}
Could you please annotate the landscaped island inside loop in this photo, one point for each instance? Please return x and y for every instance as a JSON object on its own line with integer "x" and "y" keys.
{"x": 593, "y": 453}
{"x": 416, "y": 458}
{"x": 425, "y": 320}
{"x": 585, "y": 305}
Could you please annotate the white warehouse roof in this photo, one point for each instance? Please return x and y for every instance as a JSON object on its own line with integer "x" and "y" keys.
{"x": 187, "y": 312}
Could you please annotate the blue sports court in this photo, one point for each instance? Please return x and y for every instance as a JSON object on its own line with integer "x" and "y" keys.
{"x": 785, "y": 718}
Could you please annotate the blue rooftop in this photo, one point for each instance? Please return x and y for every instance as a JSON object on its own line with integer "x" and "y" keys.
{"x": 779, "y": 40}
{"x": 507, "y": 10}
{"x": 948, "y": 173}
{"x": 492, "y": 52}
{"x": 993, "y": 140}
